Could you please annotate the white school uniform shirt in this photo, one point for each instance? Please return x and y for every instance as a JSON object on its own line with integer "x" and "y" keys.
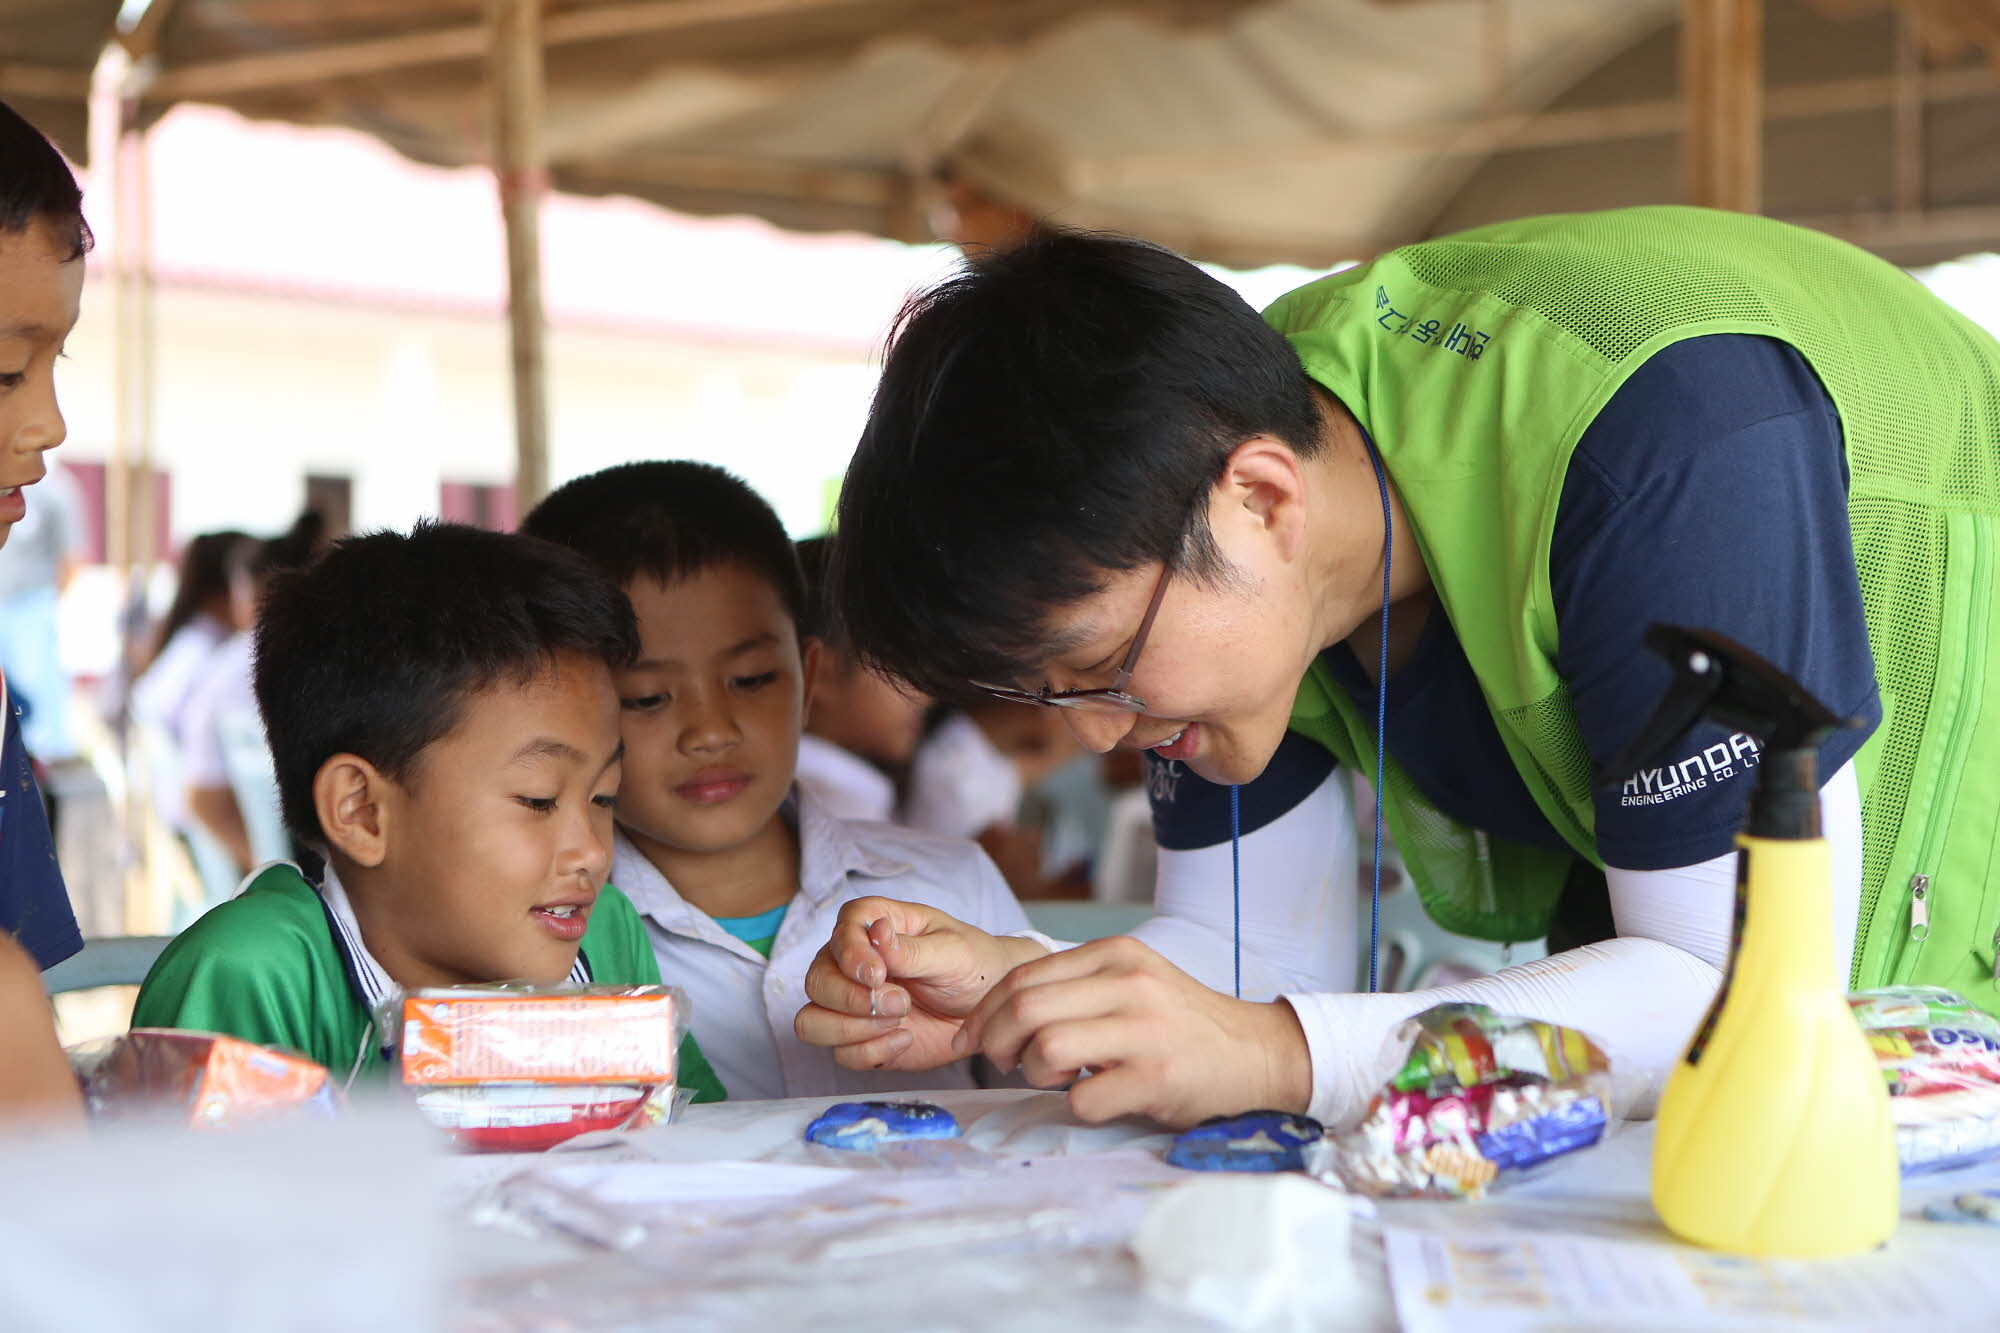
{"x": 960, "y": 782}
{"x": 844, "y": 784}
{"x": 741, "y": 1007}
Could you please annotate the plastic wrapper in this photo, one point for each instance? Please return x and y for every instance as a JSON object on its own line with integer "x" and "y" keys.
{"x": 1940, "y": 1055}
{"x": 519, "y": 1069}
{"x": 1481, "y": 1099}
{"x": 211, "y": 1080}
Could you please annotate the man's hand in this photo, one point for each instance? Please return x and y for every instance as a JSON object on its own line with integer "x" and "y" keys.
{"x": 1152, "y": 1040}
{"x": 891, "y": 987}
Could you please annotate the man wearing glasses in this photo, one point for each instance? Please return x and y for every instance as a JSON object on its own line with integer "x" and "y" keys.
{"x": 1435, "y": 500}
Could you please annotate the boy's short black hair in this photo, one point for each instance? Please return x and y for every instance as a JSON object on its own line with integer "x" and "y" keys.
{"x": 1057, "y": 412}
{"x": 670, "y": 520}
{"x": 818, "y": 620}
{"x": 375, "y": 649}
{"x": 36, "y": 184}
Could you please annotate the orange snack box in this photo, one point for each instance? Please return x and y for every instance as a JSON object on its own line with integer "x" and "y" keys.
{"x": 463, "y": 1037}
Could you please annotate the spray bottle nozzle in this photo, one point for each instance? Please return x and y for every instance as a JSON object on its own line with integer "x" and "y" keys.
{"x": 1717, "y": 678}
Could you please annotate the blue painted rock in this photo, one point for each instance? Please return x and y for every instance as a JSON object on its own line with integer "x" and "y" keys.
{"x": 1253, "y": 1141}
{"x": 862, "y": 1126}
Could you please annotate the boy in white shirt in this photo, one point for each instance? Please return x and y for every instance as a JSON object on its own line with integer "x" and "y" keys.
{"x": 860, "y": 729}
{"x": 738, "y": 875}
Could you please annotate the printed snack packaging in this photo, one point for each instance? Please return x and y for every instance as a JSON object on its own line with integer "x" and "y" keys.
{"x": 212, "y": 1080}
{"x": 1480, "y": 1099}
{"x": 512, "y": 1069}
{"x": 1940, "y": 1056}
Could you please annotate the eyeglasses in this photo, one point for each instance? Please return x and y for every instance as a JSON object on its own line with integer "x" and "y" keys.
{"x": 1110, "y": 699}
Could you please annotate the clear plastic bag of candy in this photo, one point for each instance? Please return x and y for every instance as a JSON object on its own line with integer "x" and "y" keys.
{"x": 210, "y": 1080}
{"x": 513, "y": 1068}
{"x": 1940, "y": 1055}
{"x": 1481, "y": 1099}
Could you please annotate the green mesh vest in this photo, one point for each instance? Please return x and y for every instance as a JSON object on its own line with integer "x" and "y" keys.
{"x": 1476, "y": 361}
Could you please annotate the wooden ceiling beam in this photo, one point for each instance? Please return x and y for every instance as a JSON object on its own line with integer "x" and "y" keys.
{"x": 70, "y": 85}
{"x": 262, "y": 71}
{"x": 1546, "y": 129}
{"x": 847, "y": 186}
{"x": 256, "y": 73}
{"x": 1970, "y": 228}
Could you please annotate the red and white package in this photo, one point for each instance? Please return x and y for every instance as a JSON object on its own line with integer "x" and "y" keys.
{"x": 507, "y": 1069}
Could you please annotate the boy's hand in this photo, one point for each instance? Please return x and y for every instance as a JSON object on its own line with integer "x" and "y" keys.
{"x": 1152, "y": 1039}
{"x": 891, "y": 987}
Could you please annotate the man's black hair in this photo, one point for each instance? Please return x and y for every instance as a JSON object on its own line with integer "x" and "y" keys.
{"x": 670, "y": 520}
{"x": 36, "y": 184}
{"x": 1058, "y": 412}
{"x": 375, "y": 649}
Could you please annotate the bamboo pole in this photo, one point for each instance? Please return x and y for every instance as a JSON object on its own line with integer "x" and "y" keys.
{"x": 1722, "y": 88}
{"x": 122, "y": 184}
{"x": 520, "y": 168}
{"x": 1907, "y": 119}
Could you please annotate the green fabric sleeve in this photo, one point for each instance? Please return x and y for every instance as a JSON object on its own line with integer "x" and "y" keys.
{"x": 262, "y": 967}
{"x": 615, "y": 943}
{"x": 620, "y": 954}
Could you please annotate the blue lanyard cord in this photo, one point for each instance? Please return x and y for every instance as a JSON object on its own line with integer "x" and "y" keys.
{"x": 1381, "y": 722}
{"x": 1381, "y": 731}
{"x": 1236, "y": 878}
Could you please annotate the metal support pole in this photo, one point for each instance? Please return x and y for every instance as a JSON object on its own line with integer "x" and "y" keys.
{"x": 520, "y": 168}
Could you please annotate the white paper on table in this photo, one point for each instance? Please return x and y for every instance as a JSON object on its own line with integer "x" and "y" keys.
{"x": 1504, "y": 1281}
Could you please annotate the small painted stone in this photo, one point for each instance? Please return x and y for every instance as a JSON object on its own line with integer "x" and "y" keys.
{"x": 1981, "y": 1207}
{"x": 1253, "y": 1141}
{"x": 864, "y": 1126}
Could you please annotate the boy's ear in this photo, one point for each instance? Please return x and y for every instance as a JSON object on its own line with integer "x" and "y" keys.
{"x": 812, "y": 649}
{"x": 349, "y": 795}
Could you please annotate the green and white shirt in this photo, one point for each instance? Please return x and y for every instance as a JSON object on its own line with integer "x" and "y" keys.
{"x": 282, "y": 964}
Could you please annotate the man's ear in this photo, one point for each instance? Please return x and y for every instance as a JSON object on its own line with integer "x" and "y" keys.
{"x": 1262, "y": 493}
{"x": 350, "y": 796}
{"x": 812, "y": 650}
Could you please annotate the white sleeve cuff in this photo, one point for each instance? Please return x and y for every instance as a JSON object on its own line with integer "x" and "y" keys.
{"x": 1639, "y": 999}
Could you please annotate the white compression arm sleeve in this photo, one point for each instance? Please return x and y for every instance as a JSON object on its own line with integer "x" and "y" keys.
{"x": 1298, "y": 902}
{"x": 1640, "y": 996}
{"x": 1693, "y": 908}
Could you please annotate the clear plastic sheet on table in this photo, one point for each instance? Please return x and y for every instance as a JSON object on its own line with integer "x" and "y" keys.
{"x": 1008, "y": 1206}
{"x": 1022, "y": 1244}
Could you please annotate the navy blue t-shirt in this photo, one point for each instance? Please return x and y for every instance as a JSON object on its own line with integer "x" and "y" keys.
{"x": 34, "y": 905}
{"x": 1710, "y": 491}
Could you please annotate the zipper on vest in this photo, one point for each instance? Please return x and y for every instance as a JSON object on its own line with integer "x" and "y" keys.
{"x": 1944, "y": 792}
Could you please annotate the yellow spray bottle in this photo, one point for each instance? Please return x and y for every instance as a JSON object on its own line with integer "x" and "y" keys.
{"x": 1773, "y": 1136}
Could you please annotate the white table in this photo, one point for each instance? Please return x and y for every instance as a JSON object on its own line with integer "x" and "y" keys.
{"x": 363, "y": 1223}
{"x": 753, "y": 1153}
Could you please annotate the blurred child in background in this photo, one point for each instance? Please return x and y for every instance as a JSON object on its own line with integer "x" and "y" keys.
{"x": 860, "y": 730}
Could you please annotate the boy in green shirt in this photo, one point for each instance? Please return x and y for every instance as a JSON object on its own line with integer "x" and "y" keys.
{"x": 442, "y": 719}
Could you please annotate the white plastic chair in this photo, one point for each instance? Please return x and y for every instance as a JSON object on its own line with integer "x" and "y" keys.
{"x": 255, "y": 785}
